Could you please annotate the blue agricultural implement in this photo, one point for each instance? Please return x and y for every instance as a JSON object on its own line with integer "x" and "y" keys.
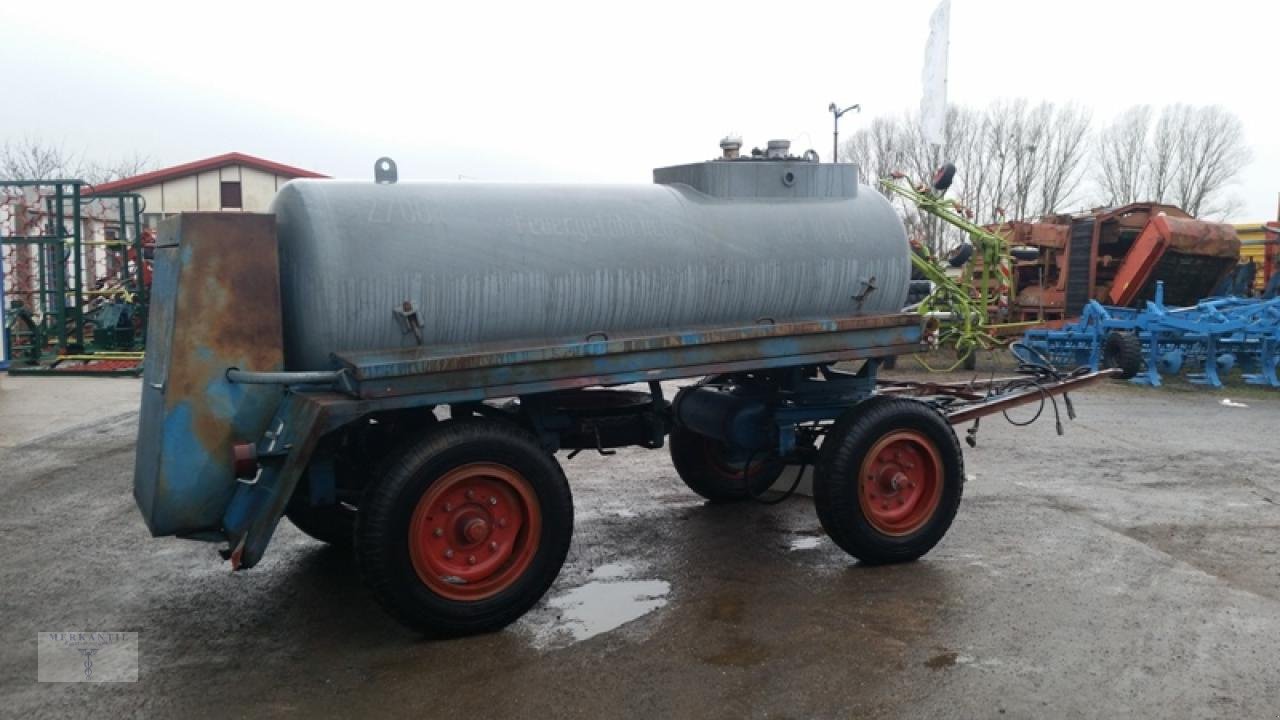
{"x": 394, "y": 366}
{"x": 1206, "y": 340}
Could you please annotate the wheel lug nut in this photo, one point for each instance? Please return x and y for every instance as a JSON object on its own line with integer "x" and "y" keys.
{"x": 448, "y": 554}
{"x": 493, "y": 547}
{"x": 471, "y": 494}
{"x": 438, "y": 532}
{"x": 493, "y": 500}
{"x": 502, "y": 522}
{"x": 471, "y": 559}
{"x": 448, "y": 507}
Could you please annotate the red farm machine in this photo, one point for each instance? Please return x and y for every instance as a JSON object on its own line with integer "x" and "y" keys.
{"x": 1114, "y": 256}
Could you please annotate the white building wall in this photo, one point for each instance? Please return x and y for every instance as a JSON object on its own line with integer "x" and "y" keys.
{"x": 209, "y": 196}
{"x": 257, "y": 188}
{"x": 203, "y": 192}
{"x": 180, "y": 194}
{"x": 152, "y": 199}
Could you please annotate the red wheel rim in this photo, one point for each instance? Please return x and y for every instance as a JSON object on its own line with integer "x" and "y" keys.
{"x": 475, "y": 531}
{"x": 900, "y": 483}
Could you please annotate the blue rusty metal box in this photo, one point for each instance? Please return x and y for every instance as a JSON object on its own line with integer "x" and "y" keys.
{"x": 216, "y": 304}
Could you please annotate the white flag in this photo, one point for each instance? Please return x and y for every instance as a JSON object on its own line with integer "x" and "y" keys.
{"x": 4, "y": 335}
{"x": 933, "y": 104}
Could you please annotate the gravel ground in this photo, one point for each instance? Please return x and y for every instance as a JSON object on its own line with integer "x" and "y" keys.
{"x": 1126, "y": 569}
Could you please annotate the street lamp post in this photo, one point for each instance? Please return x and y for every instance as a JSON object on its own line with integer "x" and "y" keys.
{"x": 835, "y": 133}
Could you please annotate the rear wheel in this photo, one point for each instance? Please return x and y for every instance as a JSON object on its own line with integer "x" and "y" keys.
{"x": 466, "y": 530}
{"x": 889, "y": 480}
{"x": 359, "y": 454}
{"x": 333, "y": 524}
{"x": 721, "y": 473}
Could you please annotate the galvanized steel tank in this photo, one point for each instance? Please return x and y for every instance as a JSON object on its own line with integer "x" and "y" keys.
{"x": 721, "y": 243}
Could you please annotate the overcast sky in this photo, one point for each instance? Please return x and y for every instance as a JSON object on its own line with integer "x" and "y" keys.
{"x": 593, "y": 91}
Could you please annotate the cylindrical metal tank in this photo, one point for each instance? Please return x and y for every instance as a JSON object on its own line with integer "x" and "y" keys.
{"x": 488, "y": 262}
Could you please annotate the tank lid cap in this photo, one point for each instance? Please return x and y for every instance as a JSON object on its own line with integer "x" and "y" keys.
{"x": 778, "y": 148}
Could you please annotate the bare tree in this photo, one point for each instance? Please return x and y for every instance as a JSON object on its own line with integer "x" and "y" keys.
{"x": 33, "y": 159}
{"x": 877, "y": 148}
{"x": 1211, "y": 154}
{"x": 1189, "y": 157}
{"x": 1121, "y": 160}
{"x": 1026, "y": 137}
{"x": 1162, "y": 154}
{"x": 1019, "y": 161}
{"x": 896, "y": 144}
{"x": 1063, "y": 152}
{"x": 966, "y": 148}
{"x": 125, "y": 166}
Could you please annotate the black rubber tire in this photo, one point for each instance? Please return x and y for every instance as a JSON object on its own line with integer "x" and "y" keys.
{"x": 960, "y": 255}
{"x": 693, "y": 456}
{"x": 835, "y": 487}
{"x": 1123, "y": 350}
{"x": 918, "y": 291}
{"x": 354, "y": 467}
{"x": 332, "y": 524}
{"x": 382, "y": 527}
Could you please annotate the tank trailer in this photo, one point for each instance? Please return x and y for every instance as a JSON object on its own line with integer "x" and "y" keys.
{"x": 394, "y": 366}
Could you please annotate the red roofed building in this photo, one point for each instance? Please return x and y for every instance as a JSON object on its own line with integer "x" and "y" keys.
{"x": 233, "y": 182}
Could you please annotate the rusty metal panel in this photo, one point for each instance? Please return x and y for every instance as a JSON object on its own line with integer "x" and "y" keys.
{"x": 215, "y": 304}
{"x": 1195, "y": 239}
{"x": 1049, "y": 235}
{"x": 1198, "y": 237}
{"x": 1039, "y": 234}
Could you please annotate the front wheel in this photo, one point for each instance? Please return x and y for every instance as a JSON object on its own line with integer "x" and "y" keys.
{"x": 466, "y": 530}
{"x": 889, "y": 480}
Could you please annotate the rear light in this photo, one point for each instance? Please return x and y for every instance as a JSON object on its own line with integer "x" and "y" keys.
{"x": 244, "y": 460}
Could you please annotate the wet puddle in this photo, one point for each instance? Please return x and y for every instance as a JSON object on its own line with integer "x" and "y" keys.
{"x": 806, "y": 543}
{"x": 947, "y": 659}
{"x": 606, "y": 602}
